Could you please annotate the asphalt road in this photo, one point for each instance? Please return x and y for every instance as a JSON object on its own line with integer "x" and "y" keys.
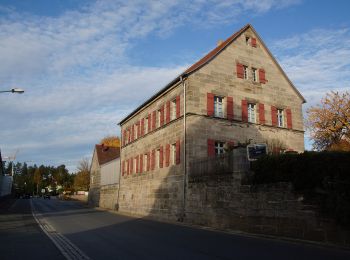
{"x": 104, "y": 235}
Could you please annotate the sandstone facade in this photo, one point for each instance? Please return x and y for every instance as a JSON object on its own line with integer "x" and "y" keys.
{"x": 235, "y": 83}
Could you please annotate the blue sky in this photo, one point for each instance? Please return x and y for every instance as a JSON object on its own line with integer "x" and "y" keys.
{"x": 86, "y": 64}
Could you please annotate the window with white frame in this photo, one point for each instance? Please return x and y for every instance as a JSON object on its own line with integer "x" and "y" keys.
{"x": 251, "y": 113}
{"x": 146, "y": 125}
{"x": 173, "y": 110}
{"x": 173, "y": 154}
{"x": 280, "y": 118}
{"x": 218, "y": 106}
{"x": 137, "y": 131}
{"x": 219, "y": 148}
{"x": 145, "y": 162}
{"x": 159, "y": 113}
{"x": 135, "y": 165}
{"x": 245, "y": 72}
{"x": 255, "y": 75}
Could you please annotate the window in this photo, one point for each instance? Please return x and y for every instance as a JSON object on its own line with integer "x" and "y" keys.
{"x": 247, "y": 40}
{"x": 173, "y": 110}
{"x": 219, "y": 148}
{"x": 280, "y": 118}
{"x": 251, "y": 113}
{"x": 255, "y": 75}
{"x": 137, "y": 131}
{"x": 145, "y": 162}
{"x": 173, "y": 154}
{"x": 218, "y": 107}
{"x": 146, "y": 125}
{"x": 159, "y": 114}
{"x": 245, "y": 72}
{"x": 135, "y": 168}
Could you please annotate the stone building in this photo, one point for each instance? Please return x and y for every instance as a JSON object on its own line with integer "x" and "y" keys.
{"x": 104, "y": 176}
{"x": 237, "y": 93}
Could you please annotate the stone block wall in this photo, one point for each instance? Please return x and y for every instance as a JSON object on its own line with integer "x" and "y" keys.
{"x": 109, "y": 196}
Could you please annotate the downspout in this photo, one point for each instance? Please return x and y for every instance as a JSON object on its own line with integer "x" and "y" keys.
{"x": 184, "y": 152}
{"x": 120, "y": 169}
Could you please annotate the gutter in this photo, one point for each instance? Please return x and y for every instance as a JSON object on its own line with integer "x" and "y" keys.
{"x": 184, "y": 151}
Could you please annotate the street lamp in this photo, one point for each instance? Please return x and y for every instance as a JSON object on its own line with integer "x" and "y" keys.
{"x": 14, "y": 90}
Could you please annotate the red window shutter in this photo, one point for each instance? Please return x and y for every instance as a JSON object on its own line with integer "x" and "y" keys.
{"x": 244, "y": 110}
{"x": 153, "y": 159}
{"x": 129, "y": 135}
{"x": 141, "y": 163}
{"x": 274, "y": 116}
{"x": 229, "y": 108}
{"x": 123, "y": 168}
{"x": 167, "y": 113}
{"x": 254, "y": 42}
{"x": 142, "y": 126}
{"x": 162, "y": 115}
{"x": 262, "y": 76}
{"x": 149, "y": 122}
{"x": 167, "y": 155}
{"x": 161, "y": 157}
{"x": 148, "y": 160}
{"x": 261, "y": 114}
{"x": 240, "y": 71}
{"x": 154, "y": 120}
{"x": 178, "y": 152}
{"x": 211, "y": 148}
{"x": 131, "y": 166}
{"x": 137, "y": 164}
{"x": 132, "y": 133}
{"x": 177, "y": 106}
{"x": 127, "y": 167}
{"x": 289, "y": 118}
{"x": 138, "y": 129}
{"x": 210, "y": 104}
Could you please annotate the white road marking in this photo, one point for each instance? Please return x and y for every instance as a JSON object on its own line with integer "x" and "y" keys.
{"x": 67, "y": 248}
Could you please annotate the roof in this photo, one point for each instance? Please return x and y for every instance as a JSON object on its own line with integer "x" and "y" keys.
{"x": 106, "y": 154}
{"x": 204, "y": 60}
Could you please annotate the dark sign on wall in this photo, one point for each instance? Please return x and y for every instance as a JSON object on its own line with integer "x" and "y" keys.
{"x": 254, "y": 151}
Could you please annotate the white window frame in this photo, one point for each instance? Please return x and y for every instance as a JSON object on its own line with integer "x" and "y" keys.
{"x": 134, "y": 166}
{"x": 173, "y": 110}
{"x": 251, "y": 113}
{"x": 255, "y": 74}
{"x": 245, "y": 72}
{"x": 145, "y": 161}
{"x": 247, "y": 40}
{"x": 280, "y": 117}
{"x": 218, "y": 106}
{"x": 158, "y": 159}
{"x": 173, "y": 154}
{"x": 159, "y": 112}
{"x": 146, "y": 125}
{"x": 219, "y": 148}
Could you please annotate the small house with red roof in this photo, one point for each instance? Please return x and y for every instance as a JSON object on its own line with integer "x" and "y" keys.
{"x": 104, "y": 176}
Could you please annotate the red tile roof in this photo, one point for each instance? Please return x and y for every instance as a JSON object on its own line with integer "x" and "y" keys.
{"x": 106, "y": 154}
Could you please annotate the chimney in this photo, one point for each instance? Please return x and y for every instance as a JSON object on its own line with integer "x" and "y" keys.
{"x": 219, "y": 42}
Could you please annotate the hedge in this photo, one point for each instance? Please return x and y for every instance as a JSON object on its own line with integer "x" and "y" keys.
{"x": 322, "y": 177}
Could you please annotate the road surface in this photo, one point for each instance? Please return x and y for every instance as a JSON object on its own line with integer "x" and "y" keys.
{"x": 85, "y": 233}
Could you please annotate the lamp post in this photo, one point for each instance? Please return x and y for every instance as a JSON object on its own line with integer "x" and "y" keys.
{"x": 13, "y": 90}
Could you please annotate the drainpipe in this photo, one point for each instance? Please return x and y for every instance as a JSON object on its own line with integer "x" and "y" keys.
{"x": 184, "y": 152}
{"x": 120, "y": 168}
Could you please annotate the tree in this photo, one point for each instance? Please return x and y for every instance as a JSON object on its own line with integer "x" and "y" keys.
{"x": 329, "y": 122}
{"x": 82, "y": 178}
{"x": 111, "y": 140}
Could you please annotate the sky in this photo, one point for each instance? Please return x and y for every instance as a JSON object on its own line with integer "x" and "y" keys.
{"x": 87, "y": 64}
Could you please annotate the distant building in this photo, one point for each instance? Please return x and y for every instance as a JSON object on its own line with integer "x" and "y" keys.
{"x": 237, "y": 93}
{"x": 104, "y": 176}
